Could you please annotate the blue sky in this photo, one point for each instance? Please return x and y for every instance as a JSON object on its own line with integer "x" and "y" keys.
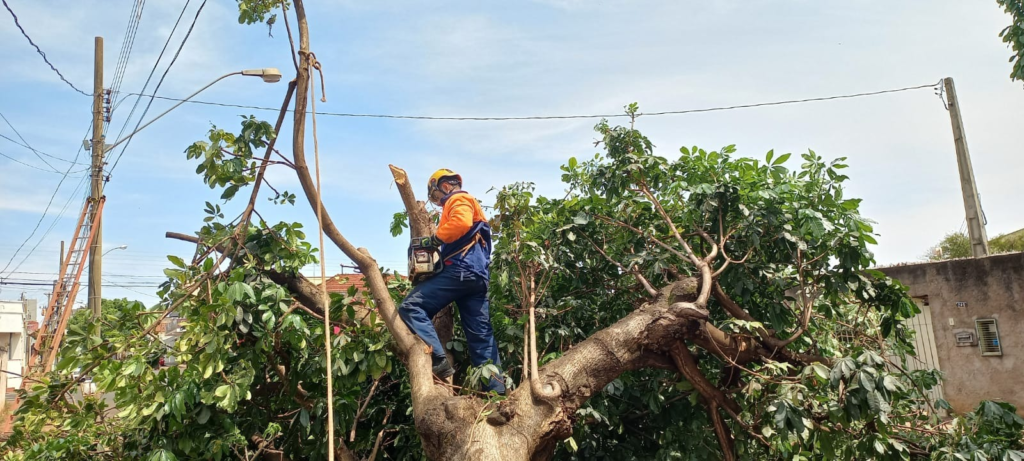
{"x": 545, "y": 57}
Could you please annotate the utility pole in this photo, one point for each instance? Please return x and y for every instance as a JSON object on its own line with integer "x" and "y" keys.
{"x": 95, "y": 252}
{"x": 972, "y": 204}
{"x": 3, "y": 376}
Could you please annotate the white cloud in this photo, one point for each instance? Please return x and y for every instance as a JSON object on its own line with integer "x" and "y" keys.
{"x": 553, "y": 57}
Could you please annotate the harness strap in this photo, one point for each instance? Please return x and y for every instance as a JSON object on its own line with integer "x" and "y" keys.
{"x": 462, "y": 252}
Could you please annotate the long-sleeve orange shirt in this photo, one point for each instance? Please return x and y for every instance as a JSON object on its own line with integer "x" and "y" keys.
{"x": 457, "y": 217}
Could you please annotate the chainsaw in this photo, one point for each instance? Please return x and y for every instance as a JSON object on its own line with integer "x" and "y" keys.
{"x": 424, "y": 259}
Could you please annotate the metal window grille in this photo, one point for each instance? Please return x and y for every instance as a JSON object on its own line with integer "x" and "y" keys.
{"x": 988, "y": 337}
{"x": 846, "y": 336}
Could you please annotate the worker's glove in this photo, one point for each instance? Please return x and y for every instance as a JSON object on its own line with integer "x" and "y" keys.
{"x": 436, "y": 242}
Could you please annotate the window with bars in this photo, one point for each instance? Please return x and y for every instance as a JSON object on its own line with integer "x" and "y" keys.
{"x": 988, "y": 337}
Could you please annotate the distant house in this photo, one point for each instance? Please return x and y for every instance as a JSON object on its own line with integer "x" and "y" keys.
{"x": 170, "y": 328}
{"x": 969, "y": 328}
{"x": 15, "y": 319}
{"x": 340, "y": 283}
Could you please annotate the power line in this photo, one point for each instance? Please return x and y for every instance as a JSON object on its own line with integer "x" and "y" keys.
{"x": 134, "y": 18}
{"x": 33, "y": 166}
{"x": 41, "y": 53}
{"x": 151, "y": 72}
{"x": 26, "y": 143}
{"x": 104, "y": 275}
{"x": 133, "y": 291}
{"x": 46, "y": 210}
{"x": 41, "y": 152}
{"x": 126, "y": 50}
{"x": 558, "y": 117}
{"x": 150, "y": 77}
{"x": 159, "y": 83}
{"x": 44, "y": 283}
{"x": 54, "y": 222}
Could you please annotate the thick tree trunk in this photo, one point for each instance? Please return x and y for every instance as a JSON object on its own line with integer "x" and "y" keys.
{"x": 457, "y": 427}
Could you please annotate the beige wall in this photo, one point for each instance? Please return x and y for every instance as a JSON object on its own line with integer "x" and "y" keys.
{"x": 992, "y": 287}
{"x": 12, "y": 335}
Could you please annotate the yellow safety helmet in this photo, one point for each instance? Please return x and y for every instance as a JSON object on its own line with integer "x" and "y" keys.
{"x": 434, "y": 192}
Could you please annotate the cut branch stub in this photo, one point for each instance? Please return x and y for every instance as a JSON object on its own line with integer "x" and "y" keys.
{"x": 420, "y": 225}
{"x": 419, "y": 221}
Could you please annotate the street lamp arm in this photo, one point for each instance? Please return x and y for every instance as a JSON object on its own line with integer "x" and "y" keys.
{"x": 183, "y": 101}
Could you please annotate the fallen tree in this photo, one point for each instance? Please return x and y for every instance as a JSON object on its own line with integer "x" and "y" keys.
{"x": 705, "y": 306}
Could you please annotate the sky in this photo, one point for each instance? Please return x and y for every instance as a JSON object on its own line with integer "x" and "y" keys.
{"x": 543, "y": 57}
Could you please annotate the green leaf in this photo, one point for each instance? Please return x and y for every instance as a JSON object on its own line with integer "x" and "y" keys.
{"x": 782, "y": 159}
{"x": 874, "y": 399}
{"x": 248, "y": 291}
{"x": 781, "y": 414}
{"x": 229, "y": 192}
{"x": 162, "y": 455}
{"x": 176, "y": 261}
{"x": 304, "y": 417}
{"x": 150, "y": 409}
{"x": 235, "y": 292}
{"x": 891, "y": 384}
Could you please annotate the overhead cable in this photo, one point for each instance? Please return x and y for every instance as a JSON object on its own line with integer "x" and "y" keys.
{"x": 559, "y": 117}
{"x": 30, "y": 165}
{"x": 41, "y": 152}
{"x": 41, "y": 218}
{"x": 127, "y": 44}
{"x": 150, "y": 77}
{"x": 26, "y": 144}
{"x": 160, "y": 82}
{"x": 40, "y": 51}
{"x": 55, "y": 220}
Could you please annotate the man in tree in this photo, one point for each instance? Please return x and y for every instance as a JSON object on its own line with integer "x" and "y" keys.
{"x": 464, "y": 241}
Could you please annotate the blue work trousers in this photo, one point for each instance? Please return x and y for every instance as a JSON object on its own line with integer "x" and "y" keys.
{"x": 469, "y": 293}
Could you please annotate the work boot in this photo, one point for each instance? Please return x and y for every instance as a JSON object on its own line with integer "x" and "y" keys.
{"x": 442, "y": 369}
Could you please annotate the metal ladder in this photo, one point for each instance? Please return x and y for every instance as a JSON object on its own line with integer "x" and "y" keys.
{"x": 55, "y": 317}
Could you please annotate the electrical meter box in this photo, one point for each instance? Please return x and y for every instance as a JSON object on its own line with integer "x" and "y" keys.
{"x": 965, "y": 338}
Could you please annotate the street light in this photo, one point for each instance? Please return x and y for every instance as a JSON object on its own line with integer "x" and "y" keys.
{"x": 269, "y": 75}
{"x": 121, "y": 247}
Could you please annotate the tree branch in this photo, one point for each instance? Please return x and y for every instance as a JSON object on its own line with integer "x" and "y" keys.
{"x": 687, "y": 365}
{"x": 636, "y": 273}
{"x": 420, "y": 225}
{"x": 722, "y": 431}
{"x": 805, "y": 317}
{"x": 419, "y": 364}
{"x": 355, "y": 421}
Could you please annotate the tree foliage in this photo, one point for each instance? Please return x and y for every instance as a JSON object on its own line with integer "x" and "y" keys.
{"x": 958, "y": 245}
{"x": 954, "y": 245}
{"x": 664, "y": 295}
{"x": 1013, "y": 35}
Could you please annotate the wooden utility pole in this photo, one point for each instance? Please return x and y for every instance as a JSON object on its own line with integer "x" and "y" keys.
{"x": 95, "y": 251}
{"x": 972, "y": 204}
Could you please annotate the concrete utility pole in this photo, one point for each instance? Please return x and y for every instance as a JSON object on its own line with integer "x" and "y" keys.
{"x": 95, "y": 252}
{"x": 972, "y": 204}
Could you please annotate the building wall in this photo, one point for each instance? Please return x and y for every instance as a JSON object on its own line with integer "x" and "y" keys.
{"x": 991, "y": 287}
{"x": 12, "y": 336}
